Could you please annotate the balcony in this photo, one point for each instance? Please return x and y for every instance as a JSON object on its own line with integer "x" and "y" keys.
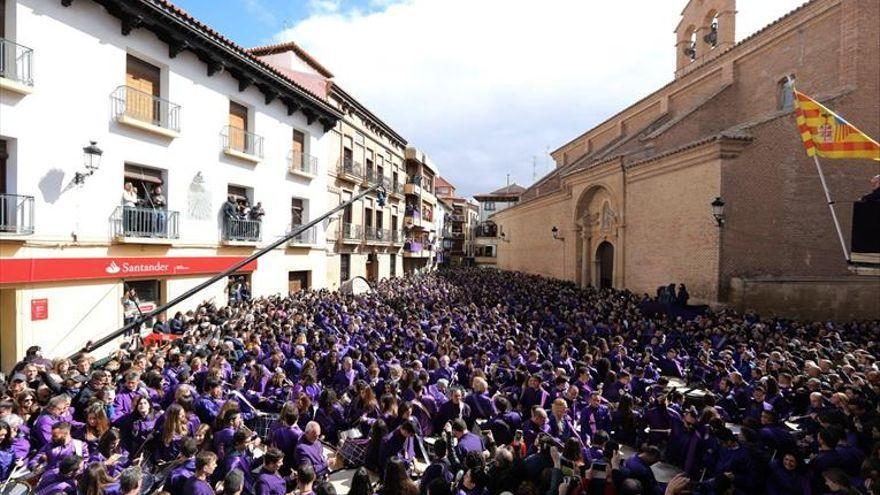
{"x": 486, "y": 230}
{"x": 371, "y": 177}
{"x": 139, "y": 225}
{"x": 457, "y": 218}
{"x": 394, "y": 187}
{"x": 351, "y": 233}
{"x": 303, "y": 164}
{"x": 16, "y": 215}
{"x": 16, "y": 66}
{"x": 308, "y": 237}
{"x": 146, "y": 112}
{"x": 350, "y": 170}
{"x": 239, "y": 143}
{"x": 377, "y": 235}
{"x": 413, "y": 186}
{"x": 416, "y": 249}
{"x": 241, "y": 232}
{"x": 397, "y": 236}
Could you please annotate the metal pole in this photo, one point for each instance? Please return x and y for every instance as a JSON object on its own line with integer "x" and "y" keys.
{"x": 186, "y": 295}
{"x": 831, "y": 207}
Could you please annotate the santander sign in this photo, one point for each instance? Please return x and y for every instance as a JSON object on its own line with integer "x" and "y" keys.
{"x": 154, "y": 268}
{"x": 31, "y": 270}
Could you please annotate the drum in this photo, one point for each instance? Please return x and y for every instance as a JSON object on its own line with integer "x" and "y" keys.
{"x": 664, "y": 472}
{"x": 263, "y": 423}
{"x": 15, "y": 488}
{"x": 354, "y": 452}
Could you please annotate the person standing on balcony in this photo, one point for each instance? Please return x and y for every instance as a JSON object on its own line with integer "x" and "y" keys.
{"x": 230, "y": 213}
{"x": 157, "y": 199}
{"x": 129, "y": 202}
{"x": 256, "y": 215}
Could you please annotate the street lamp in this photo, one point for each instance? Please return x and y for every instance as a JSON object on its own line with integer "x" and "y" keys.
{"x": 555, "y": 232}
{"x": 91, "y": 160}
{"x": 718, "y": 210}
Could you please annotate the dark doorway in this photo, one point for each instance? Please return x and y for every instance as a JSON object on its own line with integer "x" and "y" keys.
{"x": 605, "y": 259}
{"x": 372, "y": 267}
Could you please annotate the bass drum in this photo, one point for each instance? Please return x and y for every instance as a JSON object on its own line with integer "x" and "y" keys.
{"x": 15, "y": 488}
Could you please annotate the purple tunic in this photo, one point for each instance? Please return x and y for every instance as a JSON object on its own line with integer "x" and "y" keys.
{"x": 311, "y": 453}
{"x": 270, "y": 484}
{"x": 195, "y": 486}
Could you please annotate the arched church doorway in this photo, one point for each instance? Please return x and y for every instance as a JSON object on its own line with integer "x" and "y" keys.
{"x": 605, "y": 259}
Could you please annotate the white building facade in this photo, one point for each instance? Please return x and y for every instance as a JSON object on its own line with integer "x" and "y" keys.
{"x": 171, "y": 103}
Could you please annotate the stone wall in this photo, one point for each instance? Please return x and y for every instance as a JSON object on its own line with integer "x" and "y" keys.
{"x": 837, "y": 298}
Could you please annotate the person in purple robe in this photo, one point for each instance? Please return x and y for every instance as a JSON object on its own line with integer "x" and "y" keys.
{"x": 111, "y": 453}
{"x": 455, "y": 408}
{"x": 60, "y": 479}
{"x": 466, "y": 441}
{"x": 533, "y": 394}
{"x": 269, "y": 481}
{"x": 138, "y": 425}
{"x": 41, "y": 431}
{"x": 535, "y": 427}
{"x": 661, "y": 420}
{"x": 343, "y": 379}
{"x": 208, "y": 406}
{"x": 286, "y": 435}
{"x": 399, "y": 443}
{"x": 504, "y": 424}
{"x": 310, "y": 450}
{"x": 198, "y": 484}
{"x": 60, "y": 446}
{"x": 787, "y": 476}
{"x": 479, "y": 401}
{"x": 128, "y": 391}
{"x": 184, "y": 470}
{"x": 561, "y": 426}
{"x": 685, "y": 445}
{"x": 330, "y": 415}
{"x": 622, "y": 385}
{"x": 595, "y": 417}
{"x": 239, "y": 457}
{"x": 229, "y": 424}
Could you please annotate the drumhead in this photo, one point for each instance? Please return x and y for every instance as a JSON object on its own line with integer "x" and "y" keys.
{"x": 15, "y": 488}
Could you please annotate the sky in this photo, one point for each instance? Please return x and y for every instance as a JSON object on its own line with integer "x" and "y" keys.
{"x": 485, "y": 87}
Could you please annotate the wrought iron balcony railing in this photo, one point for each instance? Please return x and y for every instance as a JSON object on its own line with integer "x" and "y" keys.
{"x": 130, "y": 221}
{"x": 303, "y": 163}
{"x": 308, "y": 236}
{"x": 242, "y": 141}
{"x": 16, "y": 214}
{"x": 144, "y": 107}
{"x": 237, "y": 229}
{"x": 351, "y": 232}
{"x": 16, "y": 62}
{"x": 350, "y": 167}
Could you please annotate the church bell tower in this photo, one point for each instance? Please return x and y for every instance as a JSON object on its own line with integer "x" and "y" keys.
{"x": 706, "y": 29}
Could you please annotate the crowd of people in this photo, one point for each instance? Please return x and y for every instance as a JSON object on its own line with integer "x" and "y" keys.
{"x": 467, "y": 382}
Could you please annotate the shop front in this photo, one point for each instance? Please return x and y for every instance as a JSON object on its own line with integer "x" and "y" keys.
{"x": 62, "y": 303}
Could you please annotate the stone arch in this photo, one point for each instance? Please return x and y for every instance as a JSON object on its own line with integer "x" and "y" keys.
{"x": 597, "y": 217}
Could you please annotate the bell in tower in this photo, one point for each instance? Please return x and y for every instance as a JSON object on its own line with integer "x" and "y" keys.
{"x": 706, "y": 29}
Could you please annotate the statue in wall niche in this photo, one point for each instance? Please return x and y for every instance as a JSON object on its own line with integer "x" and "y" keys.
{"x": 198, "y": 199}
{"x": 608, "y": 217}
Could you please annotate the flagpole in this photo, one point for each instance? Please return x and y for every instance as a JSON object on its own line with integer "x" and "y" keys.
{"x": 831, "y": 207}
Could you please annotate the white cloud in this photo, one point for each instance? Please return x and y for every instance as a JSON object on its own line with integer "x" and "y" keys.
{"x": 259, "y": 12}
{"x": 484, "y": 85}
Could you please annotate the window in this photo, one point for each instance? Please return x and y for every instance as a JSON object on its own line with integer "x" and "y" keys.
{"x": 785, "y": 93}
{"x": 346, "y": 213}
{"x": 299, "y": 148}
{"x": 297, "y": 281}
{"x": 143, "y": 180}
{"x": 489, "y": 206}
{"x": 344, "y": 267}
{"x": 347, "y": 152}
{"x": 368, "y": 213}
{"x": 392, "y": 258}
{"x": 297, "y": 211}
{"x": 143, "y": 82}
{"x": 148, "y": 293}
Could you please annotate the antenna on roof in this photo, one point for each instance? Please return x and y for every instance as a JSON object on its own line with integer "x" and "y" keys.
{"x": 534, "y": 171}
{"x": 508, "y": 180}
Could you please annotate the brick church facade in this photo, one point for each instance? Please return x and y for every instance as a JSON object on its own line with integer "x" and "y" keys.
{"x": 631, "y": 198}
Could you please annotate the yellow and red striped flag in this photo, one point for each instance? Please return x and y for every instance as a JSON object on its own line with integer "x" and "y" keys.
{"x": 828, "y": 135}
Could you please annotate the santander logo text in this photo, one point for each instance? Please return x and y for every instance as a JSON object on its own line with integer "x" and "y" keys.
{"x": 126, "y": 267}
